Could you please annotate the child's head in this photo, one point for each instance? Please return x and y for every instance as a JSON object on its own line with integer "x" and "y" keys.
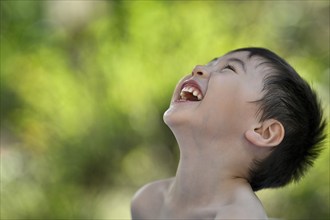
{"x": 290, "y": 100}
{"x": 253, "y": 110}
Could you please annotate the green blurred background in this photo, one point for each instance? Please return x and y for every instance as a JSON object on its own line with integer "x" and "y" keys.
{"x": 84, "y": 85}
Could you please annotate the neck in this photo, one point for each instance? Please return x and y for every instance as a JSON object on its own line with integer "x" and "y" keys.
{"x": 206, "y": 174}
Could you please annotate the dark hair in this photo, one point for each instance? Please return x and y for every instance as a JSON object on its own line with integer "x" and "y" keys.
{"x": 289, "y": 99}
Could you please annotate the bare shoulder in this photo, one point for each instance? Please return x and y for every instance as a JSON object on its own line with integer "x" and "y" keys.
{"x": 148, "y": 200}
{"x": 238, "y": 212}
{"x": 245, "y": 205}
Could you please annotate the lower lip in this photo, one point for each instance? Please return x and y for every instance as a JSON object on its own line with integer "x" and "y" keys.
{"x": 185, "y": 101}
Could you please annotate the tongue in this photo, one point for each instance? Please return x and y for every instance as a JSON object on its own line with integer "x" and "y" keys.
{"x": 190, "y": 97}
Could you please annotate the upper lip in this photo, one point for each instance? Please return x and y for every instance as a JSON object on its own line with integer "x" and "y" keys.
{"x": 191, "y": 83}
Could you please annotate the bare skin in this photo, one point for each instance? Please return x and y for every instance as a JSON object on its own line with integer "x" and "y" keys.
{"x": 154, "y": 202}
{"x": 219, "y": 135}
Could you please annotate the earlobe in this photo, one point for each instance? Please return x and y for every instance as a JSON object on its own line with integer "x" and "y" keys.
{"x": 269, "y": 134}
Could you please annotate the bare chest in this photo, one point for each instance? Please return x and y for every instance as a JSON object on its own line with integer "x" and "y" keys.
{"x": 179, "y": 212}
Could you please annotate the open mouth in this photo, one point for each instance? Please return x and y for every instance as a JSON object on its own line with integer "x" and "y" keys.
{"x": 190, "y": 92}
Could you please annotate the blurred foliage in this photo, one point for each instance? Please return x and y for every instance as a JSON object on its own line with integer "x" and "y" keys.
{"x": 84, "y": 85}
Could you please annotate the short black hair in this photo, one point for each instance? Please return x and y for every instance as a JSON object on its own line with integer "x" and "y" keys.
{"x": 289, "y": 99}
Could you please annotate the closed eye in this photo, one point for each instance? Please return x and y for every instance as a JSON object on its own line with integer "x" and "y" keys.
{"x": 230, "y": 67}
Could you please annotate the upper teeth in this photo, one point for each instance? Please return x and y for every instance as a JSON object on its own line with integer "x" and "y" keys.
{"x": 191, "y": 90}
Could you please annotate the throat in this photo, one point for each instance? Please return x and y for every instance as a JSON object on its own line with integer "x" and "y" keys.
{"x": 193, "y": 187}
{"x": 200, "y": 183}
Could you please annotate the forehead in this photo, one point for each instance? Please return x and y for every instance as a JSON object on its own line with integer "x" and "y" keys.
{"x": 240, "y": 54}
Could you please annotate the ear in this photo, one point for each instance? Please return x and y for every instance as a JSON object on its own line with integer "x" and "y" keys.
{"x": 269, "y": 133}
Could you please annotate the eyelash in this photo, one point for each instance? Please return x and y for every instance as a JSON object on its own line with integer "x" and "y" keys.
{"x": 228, "y": 66}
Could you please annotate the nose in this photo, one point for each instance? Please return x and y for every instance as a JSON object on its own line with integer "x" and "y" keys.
{"x": 200, "y": 71}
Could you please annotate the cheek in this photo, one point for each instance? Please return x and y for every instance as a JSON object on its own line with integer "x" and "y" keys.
{"x": 229, "y": 111}
{"x": 224, "y": 95}
{"x": 228, "y": 120}
{"x": 221, "y": 111}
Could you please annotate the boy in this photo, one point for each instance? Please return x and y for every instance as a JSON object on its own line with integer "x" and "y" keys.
{"x": 243, "y": 122}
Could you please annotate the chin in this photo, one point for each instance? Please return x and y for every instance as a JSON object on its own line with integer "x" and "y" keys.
{"x": 175, "y": 117}
{"x": 170, "y": 117}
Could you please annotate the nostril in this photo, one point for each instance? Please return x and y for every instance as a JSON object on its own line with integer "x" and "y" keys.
{"x": 199, "y": 71}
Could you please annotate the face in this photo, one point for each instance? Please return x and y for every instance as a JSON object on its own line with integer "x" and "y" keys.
{"x": 216, "y": 100}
